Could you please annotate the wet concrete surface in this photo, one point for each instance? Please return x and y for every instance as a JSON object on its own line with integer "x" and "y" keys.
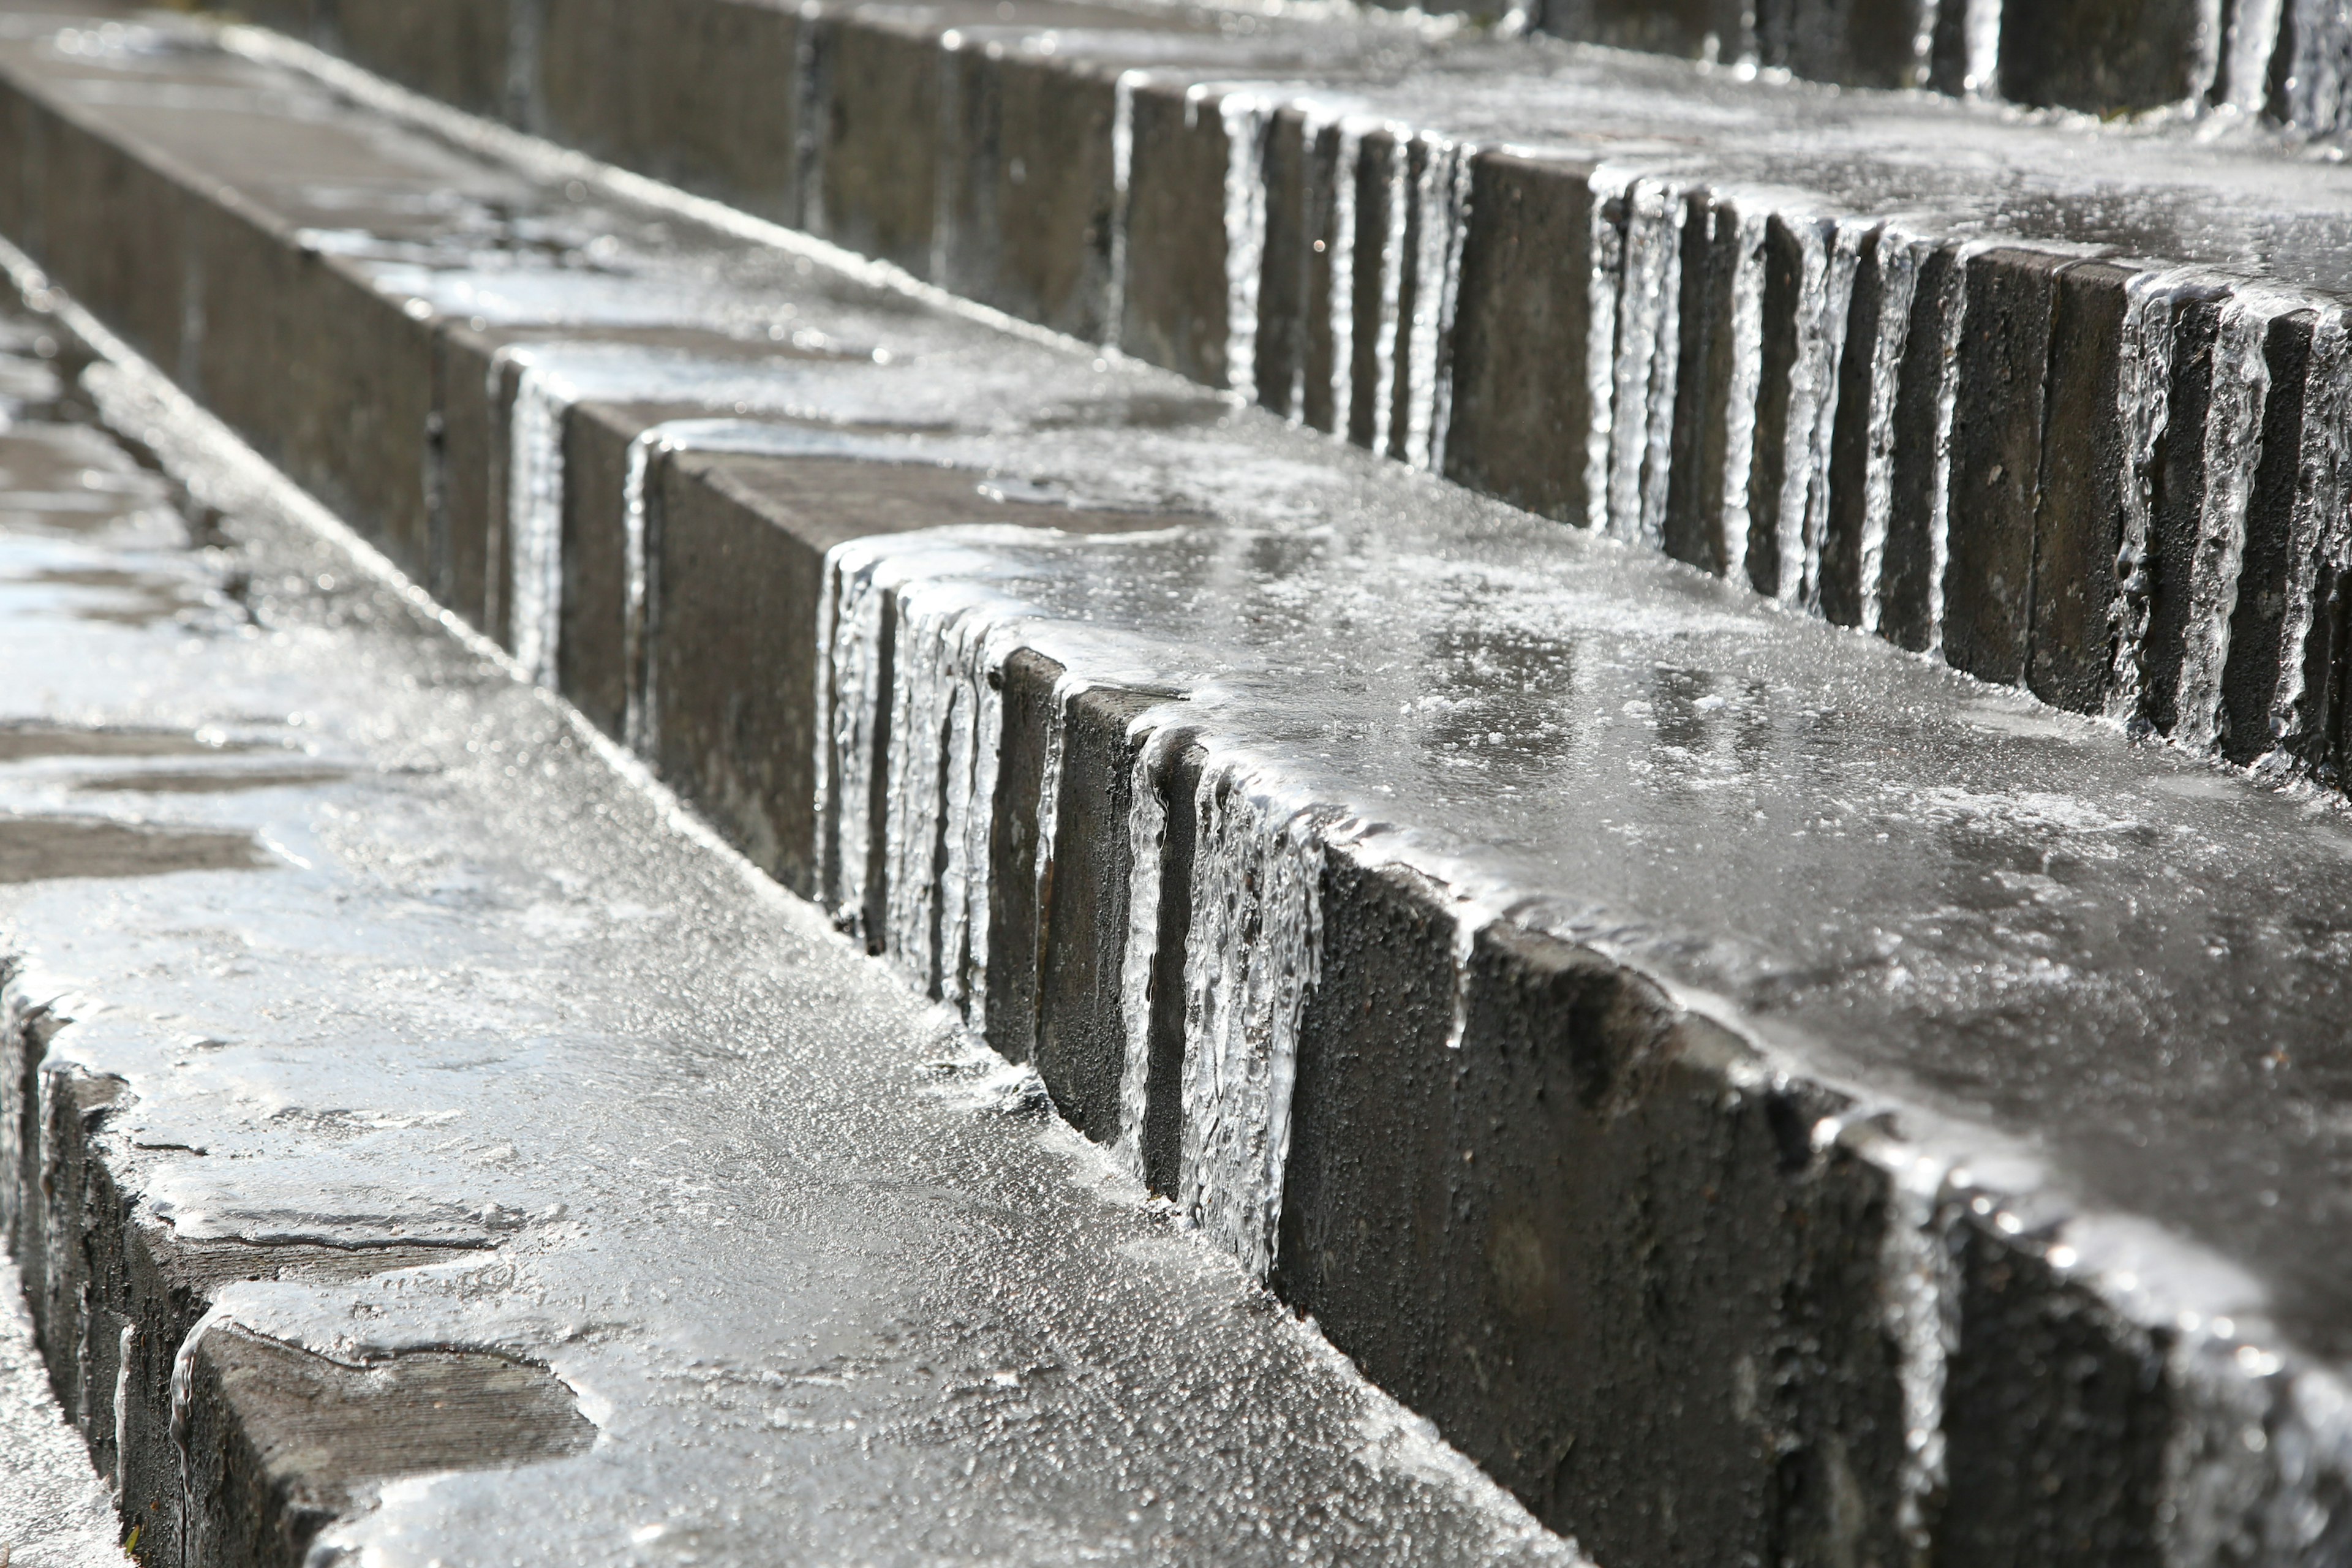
{"x": 563, "y": 1088}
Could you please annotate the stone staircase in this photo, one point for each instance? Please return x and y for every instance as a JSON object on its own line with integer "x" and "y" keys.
{"x": 1763, "y": 1096}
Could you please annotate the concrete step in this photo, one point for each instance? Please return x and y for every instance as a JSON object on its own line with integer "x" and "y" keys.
{"x": 424, "y": 1144}
{"x": 1762, "y": 1095}
{"x": 1916, "y": 367}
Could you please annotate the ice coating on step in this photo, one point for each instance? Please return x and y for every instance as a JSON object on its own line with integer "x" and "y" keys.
{"x": 1441, "y": 224}
{"x": 2144, "y": 397}
{"x": 2233, "y": 448}
{"x": 1899, "y": 254}
{"x": 1147, "y": 838}
{"x": 1830, "y": 251}
{"x": 1647, "y": 353}
{"x": 1251, "y": 963}
{"x": 1747, "y": 380}
{"x": 1604, "y": 286}
{"x": 2319, "y": 548}
{"x": 1947, "y": 396}
{"x": 1247, "y": 116}
{"x": 1920, "y": 1280}
{"x": 641, "y": 540}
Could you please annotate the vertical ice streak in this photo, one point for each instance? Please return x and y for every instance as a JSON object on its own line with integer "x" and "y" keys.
{"x": 122, "y": 1407}
{"x": 1315, "y": 118}
{"x": 1746, "y": 381}
{"x": 2254, "y": 39}
{"x": 1824, "y": 300}
{"x": 1948, "y": 393}
{"x": 183, "y": 1374}
{"x": 2144, "y": 394}
{"x": 2234, "y": 450}
{"x": 1922, "y": 1302}
{"x": 1346, "y": 164}
{"x": 1246, "y": 116}
{"x": 1647, "y": 361}
{"x": 1436, "y": 252}
{"x": 2208, "y": 53}
{"x": 1384, "y": 345}
{"x": 1983, "y": 34}
{"x": 1604, "y": 286}
{"x": 1251, "y": 962}
{"x": 1122, "y": 170}
{"x": 637, "y": 728}
{"x": 535, "y": 513}
{"x": 853, "y": 706}
{"x": 1899, "y": 254}
{"x": 1147, "y": 835}
{"x": 2320, "y": 529}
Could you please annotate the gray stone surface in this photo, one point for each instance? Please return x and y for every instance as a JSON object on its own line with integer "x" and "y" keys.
{"x": 55, "y": 1512}
{"x": 490, "y": 1116}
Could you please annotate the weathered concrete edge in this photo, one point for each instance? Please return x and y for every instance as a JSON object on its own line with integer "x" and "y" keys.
{"x": 2152, "y": 1388}
{"x": 1508, "y": 408}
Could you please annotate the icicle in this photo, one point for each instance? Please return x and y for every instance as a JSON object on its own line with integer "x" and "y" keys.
{"x": 1384, "y": 345}
{"x": 1347, "y": 167}
{"x": 1824, "y": 298}
{"x": 535, "y": 510}
{"x": 2207, "y": 54}
{"x": 1246, "y": 116}
{"x": 849, "y": 661}
{"x": 2234, "y": 450}
{"x": 1441, "y": 195}
{"x": 1122, "y": 169}
{"x": 1922, "y": 1296}
{"x": 1899, "y": 256}
{"x": 2321, "y": 534}
{"x": 1604, "y": 286}
{"x": 638, "y": 727}
{"x": 2144, "y": 395}
{"x": 1747, "y": 381}
{"x": 1648, "y": 342}
{"x": 122, "y": 1407}
{"x": 1983, "y": 32}
{"x": 1146, "y": 836}
{"x": 1252, "y": 961}
{"x": 1948, "y": 393}
{"x": 183, "y": 1371}
{"x": 2254, "y": 39}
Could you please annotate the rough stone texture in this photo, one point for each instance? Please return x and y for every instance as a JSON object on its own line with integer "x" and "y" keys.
{"x": 1176, "y": 285}
{"x": 2077, "y": 527}
{"x": 1519, "y": 423}
{"x": 2098, "y": 55}
{"x": 1996, "y": 462}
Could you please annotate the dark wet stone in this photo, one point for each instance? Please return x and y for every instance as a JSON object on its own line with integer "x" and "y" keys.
{"x": 1177, "y": 781}
{"x": 1715, "y": 28}
{"x": 877, "y": 189}
{"x": 1841, "y": 583}
{"x": 1520, "y": 414}
{"x": 1296, "y": 180}
{"x": 2177, "y": 508}
{"x": 455, "y": 50}
{"x": 1028, "y": 199}
{"x": 1996, "y": 462}
{"x": 1081, "y": 1051}
{"x": 1908, "y": 581}
{"x": 2056, "y": 1418}
{"x": 1694, "y": 492}
{"x": 1867, "y": 43}
{"x": 1768, "y": 472}
{"x": 39, "y": 849}
{"x": 1016, "y": 927}
{"x": 2098, "y": 55}
{"x": 2257, "y": 623}
{"x": 282, "y": 1442}
{"x": 1176, "y": 286}
{"x": 2078, "y": 520}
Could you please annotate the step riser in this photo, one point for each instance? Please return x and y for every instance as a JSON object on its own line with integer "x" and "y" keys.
{"x": 1613, "y": 1137}
{"x": 1826, "y": 409}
